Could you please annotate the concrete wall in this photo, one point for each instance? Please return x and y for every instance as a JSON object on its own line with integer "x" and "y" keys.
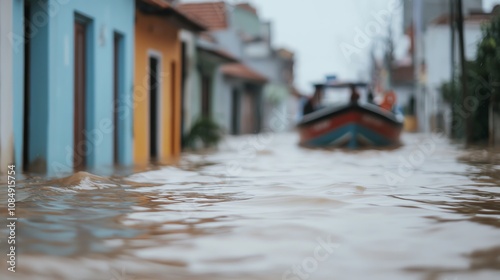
{"x": 223, "y": 97}
{"x": 6, "y": 86}
{"x": 155, "y": 34}
{"x": 192, "y": 89}
{"x": 434, "y": 8}
{"x": 52, "y": 82}
{"x": 230, "y": 40}
{"x": 246, "y": 21}
{"x": 437, "y": 44}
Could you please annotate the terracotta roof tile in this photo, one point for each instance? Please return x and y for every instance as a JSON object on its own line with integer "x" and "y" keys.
{"x": 211, "y": 14}
{"x": 162, "y": 7}
{"x": 239, "y": 70}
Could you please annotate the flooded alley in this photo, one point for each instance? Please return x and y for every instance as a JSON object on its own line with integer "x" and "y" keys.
{"x": 261, "y": 207}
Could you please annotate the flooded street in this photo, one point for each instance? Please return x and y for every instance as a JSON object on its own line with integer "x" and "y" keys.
{"x": 263, "y": 208}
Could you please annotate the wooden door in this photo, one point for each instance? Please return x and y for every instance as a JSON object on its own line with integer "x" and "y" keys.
{"x": 173, "y": 108}
{"x": 153, "y": 108}
{"x": 235, "y": 112}
{"x": 27, "y": 77}
{"x": 116, "y": 94}
{"x": 205, "y": 96}
{"x": 80, "y": 157}
{"x": 248, "y": 113}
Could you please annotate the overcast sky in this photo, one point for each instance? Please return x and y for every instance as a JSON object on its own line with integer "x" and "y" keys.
{"x": 323, "y": 33}
{"x": 316, "y": 30}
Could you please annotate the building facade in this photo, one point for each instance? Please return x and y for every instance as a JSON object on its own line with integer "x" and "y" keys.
{"x": 7, "y": 53}
{"x": 439, "y": 65}
{"x": 419, "y": 15}
{"x": 249, "y": 93}
{"x": 71, "y": 101}
{"x": 158, "y": 81}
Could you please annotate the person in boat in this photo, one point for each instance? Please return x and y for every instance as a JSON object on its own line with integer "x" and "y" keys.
{"x": 389, "y": 101}
{"x": 314, "y": 102}
{"x": 371, "y": 97}
{"x": 354, "y": 94}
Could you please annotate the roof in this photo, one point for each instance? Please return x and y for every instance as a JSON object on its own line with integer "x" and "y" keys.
{"x": 238, "y": 70}
{"x": 212, "y": 14}
{"x": 208, "y": 37}
{"x": 163, "y": 8}
{"x": 445, "y": 19}
{"x": 403, "y": 74}
{"x": 339, "y": 84}
{"x": 158, "y": 3}
{"x": 219, "y": 53}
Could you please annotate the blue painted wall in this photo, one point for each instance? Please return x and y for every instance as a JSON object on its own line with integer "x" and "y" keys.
{"x": 52, "y": 77}
{"x": 18, "y": 74}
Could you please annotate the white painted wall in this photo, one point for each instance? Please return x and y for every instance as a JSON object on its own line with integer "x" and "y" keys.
{"x": 192, "y": 95}
{"x": 222, "y": 102}
{"x": 6, "y": 86}
{"x": 437, "y": 43}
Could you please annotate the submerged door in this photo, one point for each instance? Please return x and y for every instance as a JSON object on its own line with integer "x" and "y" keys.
{"x": 205, "y": 96}
{"x": 173, "y": 109}
{"x": 117, "y": 82}
{"x": 80, "y": 157}
{"x": 235, "y": 112}
{"x": 248, "y": 116}
{"x": 27, "y": 70}
{"x": 153, "y": 108}
{"x": 184, "y": 68}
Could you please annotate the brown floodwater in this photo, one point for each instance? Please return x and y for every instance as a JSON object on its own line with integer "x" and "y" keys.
{"x": 260, "y": 207}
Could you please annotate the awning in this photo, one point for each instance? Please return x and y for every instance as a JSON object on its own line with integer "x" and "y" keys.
{"x": 221, "y": 55}
{"x": 241, "y": 71}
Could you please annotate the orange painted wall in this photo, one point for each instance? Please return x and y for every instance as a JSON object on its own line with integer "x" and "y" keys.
{"x": 155, "y": 33}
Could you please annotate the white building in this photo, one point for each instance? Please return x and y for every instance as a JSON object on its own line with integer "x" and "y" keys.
{"x": 437, "y": 57}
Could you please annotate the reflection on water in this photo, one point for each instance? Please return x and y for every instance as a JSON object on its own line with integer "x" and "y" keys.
{"x": 263, "y": 208}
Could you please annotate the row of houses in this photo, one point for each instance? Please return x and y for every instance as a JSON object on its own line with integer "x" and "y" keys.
{"x": 431, "y": 61}
{"x": 96, "y": 84}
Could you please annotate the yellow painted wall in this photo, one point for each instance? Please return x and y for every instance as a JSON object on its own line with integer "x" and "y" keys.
{"x": 155, "y": 33}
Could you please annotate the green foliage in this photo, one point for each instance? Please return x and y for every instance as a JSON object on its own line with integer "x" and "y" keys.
{"x": 483, "y": 83}
{"x": 204, "y": 131}
{"x": 451, "y": 93}
{"x": 488, "y": 56}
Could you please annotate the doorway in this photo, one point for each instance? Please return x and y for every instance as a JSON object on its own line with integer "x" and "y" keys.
{"x": 206, "y": 96}
{"x": 235, "y": 112}
{"x": 27, "y": 77}
{"x": 173, "y": 106}
{"x": 117, "y": 89}
{"x": 80, "y": 58}
{"x": 248, "y": 115}
{"x": 184, "y": 68}
{"x": 154, "y": 103}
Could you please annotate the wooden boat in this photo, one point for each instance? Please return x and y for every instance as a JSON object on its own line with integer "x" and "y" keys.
{"x": 353, "y": 125}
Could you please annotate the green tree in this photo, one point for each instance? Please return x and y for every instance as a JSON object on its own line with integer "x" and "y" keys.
{"x": 483, "y": 79}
